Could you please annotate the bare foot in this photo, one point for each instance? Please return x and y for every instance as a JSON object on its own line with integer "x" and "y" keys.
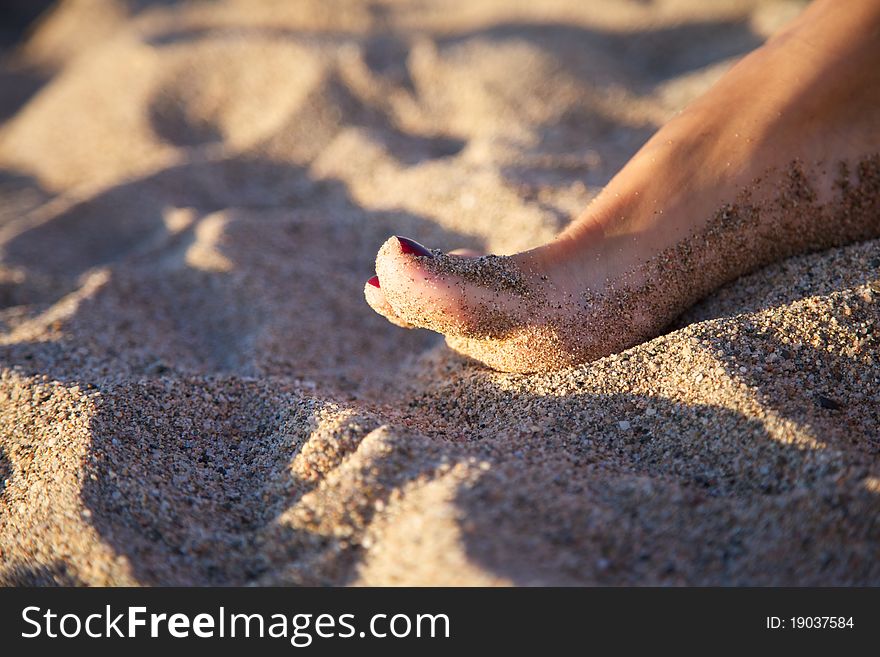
{"x": 780, "y": 157}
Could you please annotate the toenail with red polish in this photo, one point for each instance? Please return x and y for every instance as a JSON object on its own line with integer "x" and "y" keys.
{"x": 374, "y": 282}
{"x": 411, "y": 247}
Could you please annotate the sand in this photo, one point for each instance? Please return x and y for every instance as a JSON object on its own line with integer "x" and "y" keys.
{"x": 193, "y": 391}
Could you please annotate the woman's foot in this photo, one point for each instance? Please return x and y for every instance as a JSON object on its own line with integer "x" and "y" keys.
{"x": 780, "y": 157}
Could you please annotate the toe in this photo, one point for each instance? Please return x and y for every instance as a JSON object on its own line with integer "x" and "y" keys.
{"x": 376, "y": 299}
{"x": 466, "y": 253}
{"x": 450, "y": 293}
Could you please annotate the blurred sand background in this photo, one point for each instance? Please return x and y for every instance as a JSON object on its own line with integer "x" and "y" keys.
{"x": 193, "y": 390}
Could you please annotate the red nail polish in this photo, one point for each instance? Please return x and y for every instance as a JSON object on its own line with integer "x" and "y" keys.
{"x": 374, "y": 282}
{"x": 412, "y": 247}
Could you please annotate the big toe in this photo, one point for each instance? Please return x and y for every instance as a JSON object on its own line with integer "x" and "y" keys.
{"x": 452, "y": 294}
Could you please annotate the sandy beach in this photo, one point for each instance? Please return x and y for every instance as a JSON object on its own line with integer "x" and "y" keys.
{"x": 193, "y": 390}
